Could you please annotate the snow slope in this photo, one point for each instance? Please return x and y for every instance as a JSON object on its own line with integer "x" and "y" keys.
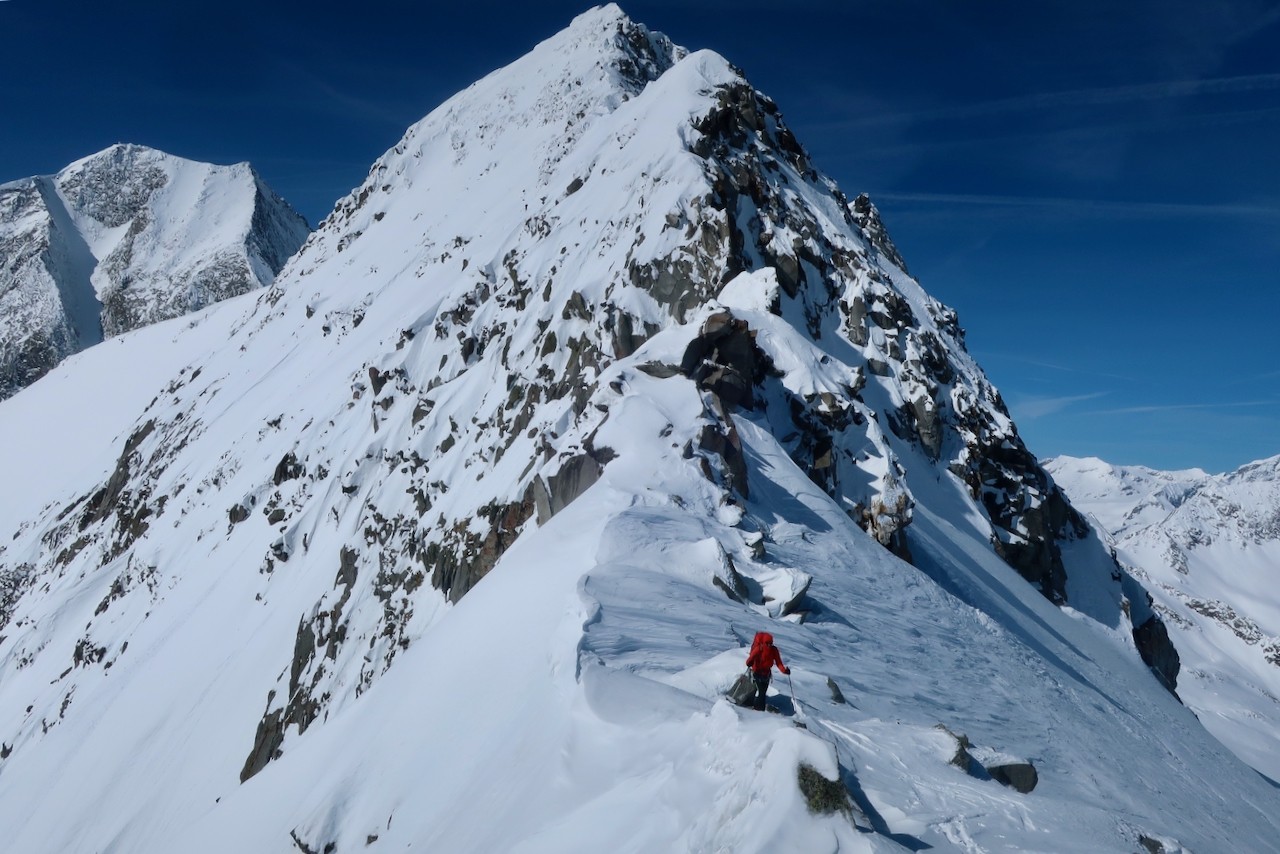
{"x": 123, "y": 238}
{"x": 1208, "y": 549}
{"x": 451, "y": 539}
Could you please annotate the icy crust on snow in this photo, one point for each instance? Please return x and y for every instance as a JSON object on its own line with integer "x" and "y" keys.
{"x": 1207, "y": 548}
{"x": 123, "y": 238}
{"x": 238, "y": 621}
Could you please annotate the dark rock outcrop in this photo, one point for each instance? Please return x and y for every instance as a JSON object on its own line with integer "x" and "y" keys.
{"x": 574, "y": 477}
{"x": 723, "y": 359}
{"x": 1021, "y": 776}
{"x": 1017, "y": 774}
{"x": 1158, "y": 651}
{"x": 823, "y": 796}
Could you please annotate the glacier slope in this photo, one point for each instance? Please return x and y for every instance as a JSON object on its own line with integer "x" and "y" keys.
{"x": 546, "y": 695}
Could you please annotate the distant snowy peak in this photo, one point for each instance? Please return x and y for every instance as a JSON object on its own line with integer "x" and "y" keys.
{"x": 1242, "y": 506}
{"x": 1124, "y": 498}
{"x": 1189, "y": 505}
{"x": 124, "y": 238}
{"x": 173, "y": 235}
{"x": 1207, "y": 547}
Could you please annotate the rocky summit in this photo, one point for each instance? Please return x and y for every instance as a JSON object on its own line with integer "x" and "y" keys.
{"x": 455, "y": 536}
{"x": 123, "y": 238}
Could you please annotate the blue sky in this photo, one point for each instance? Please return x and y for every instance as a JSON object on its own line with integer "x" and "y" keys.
{"x": 1094, "y": 186}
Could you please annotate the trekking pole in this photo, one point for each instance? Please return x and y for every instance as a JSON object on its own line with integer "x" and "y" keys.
{"x": 794, "y": 704}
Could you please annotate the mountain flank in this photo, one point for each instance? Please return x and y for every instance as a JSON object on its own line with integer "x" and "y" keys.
{"x": 454, "y": 537}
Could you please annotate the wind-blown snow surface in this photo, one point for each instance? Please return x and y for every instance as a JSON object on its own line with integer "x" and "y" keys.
{"x": 237, "y": 623}
{"x": 123, "y": 238}
{"x": 1208, "y": 549}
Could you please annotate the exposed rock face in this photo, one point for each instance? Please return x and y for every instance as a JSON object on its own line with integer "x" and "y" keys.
{"x": 576, "y": 475}
{"x": 867, "y": 216}
{"x": 1158, "y": 651}
{"x": 931, "y": 393}
{"x": 124, "y": 238}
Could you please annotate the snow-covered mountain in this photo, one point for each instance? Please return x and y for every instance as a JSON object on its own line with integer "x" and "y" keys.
{"x": 453, "y": 538}
{"x": 1208, "y": 549}
{"x": 123, "y": 238}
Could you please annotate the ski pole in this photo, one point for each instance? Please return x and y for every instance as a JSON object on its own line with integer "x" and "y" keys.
{"x": 794, "y": 704}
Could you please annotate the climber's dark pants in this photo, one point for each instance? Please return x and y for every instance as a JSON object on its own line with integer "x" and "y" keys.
{"x": 762, "y": 687}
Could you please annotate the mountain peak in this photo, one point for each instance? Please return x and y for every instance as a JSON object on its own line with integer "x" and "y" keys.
{"x": 124, "y": 237}
{"x": 594, "y": 376}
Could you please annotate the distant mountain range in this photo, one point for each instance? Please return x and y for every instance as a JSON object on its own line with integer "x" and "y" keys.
{"x": 124, "y": 238}
{"x": 1207, "y": 547}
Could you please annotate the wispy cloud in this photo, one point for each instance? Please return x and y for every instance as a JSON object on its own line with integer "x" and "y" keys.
{"x": 1096, "y": 97}
{"x": 1176, "y": 407}
{"x": 1052, "y": 366}
{"x": 327, "y": 97}
{"x": 1097, "y": 206}
{"x": 1251, "y": 379}
{"x": 1030, "y": 408}
{"x": 1161, "y": 91}
{"x": 1006, "y": 133}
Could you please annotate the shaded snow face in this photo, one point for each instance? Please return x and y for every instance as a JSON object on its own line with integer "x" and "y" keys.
{"x": 592, "y": 371}
{"x": 124, "y": 238}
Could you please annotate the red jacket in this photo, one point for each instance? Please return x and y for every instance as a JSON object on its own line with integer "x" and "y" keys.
{"x": 764, "y": 655}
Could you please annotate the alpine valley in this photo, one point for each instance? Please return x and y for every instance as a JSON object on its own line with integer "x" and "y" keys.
{"x": 454, "y": 536}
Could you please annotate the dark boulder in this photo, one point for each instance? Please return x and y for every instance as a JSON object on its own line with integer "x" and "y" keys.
{"x": 723, "y": 359}
{"x": 1021, "y": 776}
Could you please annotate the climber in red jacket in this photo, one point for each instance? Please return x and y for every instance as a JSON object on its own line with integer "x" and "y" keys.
{"x": 764, "y": 655}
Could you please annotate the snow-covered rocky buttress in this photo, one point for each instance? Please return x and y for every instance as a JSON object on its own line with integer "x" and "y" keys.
{"x": 453, "y": 537}
{"x": 1208, "y": 549}
{"x": 123, "y": 238}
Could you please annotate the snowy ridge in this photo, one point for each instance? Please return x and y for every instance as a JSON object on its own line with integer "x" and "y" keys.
{"x": 127, "y": 237}
{"x": 472, "y": 512}
{"x": 1124, "y": 498}
{"x": 1208, "y": 549}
